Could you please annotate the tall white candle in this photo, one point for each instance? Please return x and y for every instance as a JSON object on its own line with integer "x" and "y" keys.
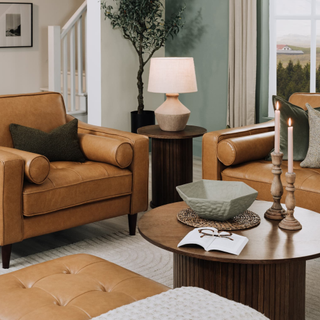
{"x": 290, "y": 146}
{"x": 277, "y": 129}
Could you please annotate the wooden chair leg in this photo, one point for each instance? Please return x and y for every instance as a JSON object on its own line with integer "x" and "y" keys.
{"x": 132, "y": 219}
{"x": 6, "y": 253}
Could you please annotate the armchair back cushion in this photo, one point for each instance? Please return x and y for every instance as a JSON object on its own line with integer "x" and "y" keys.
{"x": 301, "y": 98}
{"x": 44, "y": 111}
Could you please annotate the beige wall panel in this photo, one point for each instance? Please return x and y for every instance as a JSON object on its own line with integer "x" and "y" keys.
{"x": 25, "y": 70}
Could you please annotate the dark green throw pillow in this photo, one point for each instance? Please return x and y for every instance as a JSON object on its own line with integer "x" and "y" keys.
{"x": 60, "y": 144}
{"x": 300, "y": 124}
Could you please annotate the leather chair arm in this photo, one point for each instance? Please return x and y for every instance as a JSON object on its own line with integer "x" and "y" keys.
{"x": 105, "y": 149}
{"x": 11, "y": 185}
{"x": 139, "y": 165}
{"x": 36, "y": 166}
{"x": 211, "y": 165}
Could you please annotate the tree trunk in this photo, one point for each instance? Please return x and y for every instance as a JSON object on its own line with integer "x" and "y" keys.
{"x": 139, "y": 78}
{"x": 140, "y": 89}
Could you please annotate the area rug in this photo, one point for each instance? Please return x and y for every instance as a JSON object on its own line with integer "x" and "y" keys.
{"x": 138, "y": 255}
{"x": 131, "y": 252}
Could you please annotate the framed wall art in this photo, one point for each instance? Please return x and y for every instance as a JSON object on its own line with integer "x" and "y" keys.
{"x": 16, "y": 27}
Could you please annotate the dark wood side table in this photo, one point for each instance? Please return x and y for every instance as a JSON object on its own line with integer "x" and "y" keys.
{"x": 172, "y": 161}
{"x": 269, "y": 275}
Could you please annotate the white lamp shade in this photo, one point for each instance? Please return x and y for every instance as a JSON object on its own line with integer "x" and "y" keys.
{"x": 172, "y": 75}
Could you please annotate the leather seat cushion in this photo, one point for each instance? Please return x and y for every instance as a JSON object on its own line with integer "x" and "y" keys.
{"x": 76, "y": 287}
{"x": 72, "y": 183}
{"x": 258, "y": 175}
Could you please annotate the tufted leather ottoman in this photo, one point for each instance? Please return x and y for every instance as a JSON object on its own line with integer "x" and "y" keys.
{"x": 74, "y": 287}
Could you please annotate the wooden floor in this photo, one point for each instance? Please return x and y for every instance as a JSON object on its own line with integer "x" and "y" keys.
{"x": 61, "y": 238}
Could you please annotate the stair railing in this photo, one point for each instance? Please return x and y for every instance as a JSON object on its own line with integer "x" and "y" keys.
{"x": 72, "y": 53}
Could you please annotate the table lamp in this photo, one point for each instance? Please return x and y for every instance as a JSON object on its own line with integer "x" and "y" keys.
{"x": 172, "y": 76}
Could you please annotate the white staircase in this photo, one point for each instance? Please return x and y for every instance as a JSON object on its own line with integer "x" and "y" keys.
{"x": 66, "y": 48}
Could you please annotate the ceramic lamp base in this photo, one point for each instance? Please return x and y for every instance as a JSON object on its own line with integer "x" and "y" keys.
{"x": 172, "y": 115}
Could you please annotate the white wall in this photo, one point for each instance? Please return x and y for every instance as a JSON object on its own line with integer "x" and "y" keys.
{"x": 25, "y": 70}
{"x": 119, "y": 79}
{"x": 93, "y": 53}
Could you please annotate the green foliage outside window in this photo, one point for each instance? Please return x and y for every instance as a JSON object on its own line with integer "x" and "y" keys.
{"x": 295, "y": 78}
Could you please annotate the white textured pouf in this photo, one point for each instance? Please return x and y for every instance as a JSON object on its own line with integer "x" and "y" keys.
{"x": 184, "y": 303}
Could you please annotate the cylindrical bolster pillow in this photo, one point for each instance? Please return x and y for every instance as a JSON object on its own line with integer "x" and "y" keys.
{"x": 104, "y": 149}
{"x": 36, "y": 166}
{"x": 242, "y": 149}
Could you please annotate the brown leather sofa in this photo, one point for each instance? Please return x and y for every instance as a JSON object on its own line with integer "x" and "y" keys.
{"x": 238, "y": 155}
{"x": 38, "y": 197}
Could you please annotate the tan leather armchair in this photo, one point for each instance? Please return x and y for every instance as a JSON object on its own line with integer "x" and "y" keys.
{"x": 38, "y": 197}
{"x": 238, "y": 155}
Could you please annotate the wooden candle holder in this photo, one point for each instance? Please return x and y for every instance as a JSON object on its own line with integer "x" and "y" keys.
{"x": 276, "y": 212}
{"x": 290, "y": 222}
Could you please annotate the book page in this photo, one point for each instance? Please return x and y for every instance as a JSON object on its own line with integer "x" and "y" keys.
{"x": 227, "y": 245}
{"x": 194, "y": 237}
{"x": 209, "y": 243}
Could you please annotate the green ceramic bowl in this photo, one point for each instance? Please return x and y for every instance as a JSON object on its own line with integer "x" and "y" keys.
{"x": 217, "y": 200}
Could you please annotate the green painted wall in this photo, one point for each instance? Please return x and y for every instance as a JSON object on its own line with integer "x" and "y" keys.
{"x": 204, "y": 37}
{"x": 262, "y": 60}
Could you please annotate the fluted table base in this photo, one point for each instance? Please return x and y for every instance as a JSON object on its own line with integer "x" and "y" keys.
{"x": 276, "y": 290}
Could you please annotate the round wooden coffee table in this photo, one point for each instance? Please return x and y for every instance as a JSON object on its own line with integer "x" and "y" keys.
{"x": 268, "y": 275}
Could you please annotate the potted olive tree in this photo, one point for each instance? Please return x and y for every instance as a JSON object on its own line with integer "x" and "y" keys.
{"x": 142, "y": 23}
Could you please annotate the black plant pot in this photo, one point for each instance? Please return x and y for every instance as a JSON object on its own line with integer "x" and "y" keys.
{"x": 146, "y": 118}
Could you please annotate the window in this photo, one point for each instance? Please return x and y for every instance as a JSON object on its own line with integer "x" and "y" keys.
{"x": 294, "y": 47}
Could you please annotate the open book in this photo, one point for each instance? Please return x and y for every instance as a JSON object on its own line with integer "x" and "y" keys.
{"x": 231, "y": 244}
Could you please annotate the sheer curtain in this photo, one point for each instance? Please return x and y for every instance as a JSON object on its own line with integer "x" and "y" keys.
{"x": 242, "y": 62}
